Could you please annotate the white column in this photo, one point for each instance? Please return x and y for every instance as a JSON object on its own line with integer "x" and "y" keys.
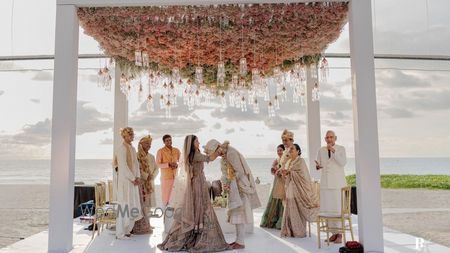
{"x": 120, "y": 117}
{"x": 365, "y": 126}
{"x": 63, "y": 130}
{"x": 312, "y": 122}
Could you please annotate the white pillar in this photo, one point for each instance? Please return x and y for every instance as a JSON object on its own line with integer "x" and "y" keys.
{"x": 63, "y": 130}
{"x": 365, "y": 126}
{"x": 312, "y": 122}
{"x": 120, "y": 117}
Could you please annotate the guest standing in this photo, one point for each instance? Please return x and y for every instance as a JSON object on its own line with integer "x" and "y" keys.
{"x": 127, "y": 186}
{"x": 148, "y": 169}
{"x": 301, "y": 203}
{"x": 274, "y": 209}
{"x": 331, "y": 160}
{"x": 167, "y": 159}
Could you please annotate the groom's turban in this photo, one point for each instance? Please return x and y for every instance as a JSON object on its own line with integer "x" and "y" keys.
{"x": 211, "y": 146}
{"x": 287, "y": 134}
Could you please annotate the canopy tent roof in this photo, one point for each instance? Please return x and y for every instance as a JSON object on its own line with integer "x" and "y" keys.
{"x": 267, "y": 35}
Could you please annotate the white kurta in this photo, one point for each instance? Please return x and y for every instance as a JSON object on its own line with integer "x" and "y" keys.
{"x": 332, "y": 178}
{"x": 127, "y": 193}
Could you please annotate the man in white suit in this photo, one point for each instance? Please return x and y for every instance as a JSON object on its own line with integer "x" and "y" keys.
{"x": 331, "y": 160}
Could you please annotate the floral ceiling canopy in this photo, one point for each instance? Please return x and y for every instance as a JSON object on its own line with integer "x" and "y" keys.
{"x": 266, "y": 35}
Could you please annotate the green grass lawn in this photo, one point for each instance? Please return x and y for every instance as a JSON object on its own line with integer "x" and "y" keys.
{"x": 437, "y": 182}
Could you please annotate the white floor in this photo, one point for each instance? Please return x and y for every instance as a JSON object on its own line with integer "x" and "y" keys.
{"x": 262, "y": 240}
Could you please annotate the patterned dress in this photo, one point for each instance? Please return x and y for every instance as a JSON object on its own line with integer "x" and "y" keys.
{"x": 273, "y": 214}
{"x": 206, "y": 235}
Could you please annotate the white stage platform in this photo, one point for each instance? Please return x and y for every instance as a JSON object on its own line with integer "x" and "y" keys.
{"x": 262, "y": 240}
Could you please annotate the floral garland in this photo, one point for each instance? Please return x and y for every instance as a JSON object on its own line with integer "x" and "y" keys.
{"x": 267, "y": 35}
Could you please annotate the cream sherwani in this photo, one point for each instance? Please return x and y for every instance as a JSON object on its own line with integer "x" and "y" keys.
{"x": 154, "y": 171}
{"x": 332, "y": 178}
{"x": 243, "y": 197}
{"x": 127, "y": 193}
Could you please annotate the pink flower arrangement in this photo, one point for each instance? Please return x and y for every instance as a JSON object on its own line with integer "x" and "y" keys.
{"x": 178, "y": 36}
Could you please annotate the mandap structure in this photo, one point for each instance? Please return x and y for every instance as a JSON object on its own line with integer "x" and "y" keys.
{"x": 241, "y": 53}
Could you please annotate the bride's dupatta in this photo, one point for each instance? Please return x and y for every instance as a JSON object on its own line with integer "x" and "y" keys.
{"x": 183, "y": 200}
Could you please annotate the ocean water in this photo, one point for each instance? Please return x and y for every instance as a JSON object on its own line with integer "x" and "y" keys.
{"x": 90, "y": 171}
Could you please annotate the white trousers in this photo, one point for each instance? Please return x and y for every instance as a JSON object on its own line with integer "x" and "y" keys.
{"x": 240, "y": 234}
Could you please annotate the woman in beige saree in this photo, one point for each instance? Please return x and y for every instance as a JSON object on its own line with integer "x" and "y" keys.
{"x": 301, "y": 203}
{"x": 195, "y": 227}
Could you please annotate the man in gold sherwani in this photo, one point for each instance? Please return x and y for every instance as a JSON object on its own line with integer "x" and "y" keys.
{"x": 242, "y": 198}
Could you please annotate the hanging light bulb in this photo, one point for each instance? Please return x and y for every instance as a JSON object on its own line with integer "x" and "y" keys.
{"x": 243, "y": 66}
{"x": 168, "y": 110}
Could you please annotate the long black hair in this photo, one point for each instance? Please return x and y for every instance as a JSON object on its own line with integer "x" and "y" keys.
{"x": 192, "y": 149}
{"x": 281, "y": 146}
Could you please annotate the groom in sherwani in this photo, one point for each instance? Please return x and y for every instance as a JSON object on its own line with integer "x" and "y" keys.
{"x": 242, "y": 197}
{"x": 331, "y": 160}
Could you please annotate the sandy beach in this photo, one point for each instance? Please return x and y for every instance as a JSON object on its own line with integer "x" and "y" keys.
{"x": 423, "y": 213}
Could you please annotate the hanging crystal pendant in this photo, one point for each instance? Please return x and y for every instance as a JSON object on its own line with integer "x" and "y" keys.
{"x": 234, "y": 81}
{"x": 138, "y": 58}
{"x": 199, "y": 75}
{"x": 256, "y": 78}
{"x": 150, "y": 106}
{"x": 243, "y": 104}
{"x": 145, "y": 60}
{"x": 243, "y": 66}
{"x": 255, "y": 106}
{"x": 276, "y": 103}
{"x": 161, "y": 102}
{"x": 140, "y": 91}
{"x": 223, "y": 100}
{"x": 315, "y": 93}
{"x": 221, "y": 74}
{"x": 324, "y": 71}
{"x": 271, "y": 110}
{"x": 168, "y": 110}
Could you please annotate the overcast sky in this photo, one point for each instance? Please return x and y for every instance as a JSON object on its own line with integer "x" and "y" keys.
{"x": 413, "y": 97}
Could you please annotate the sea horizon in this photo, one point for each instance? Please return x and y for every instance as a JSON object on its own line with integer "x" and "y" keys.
{"x": 89, "y": 171}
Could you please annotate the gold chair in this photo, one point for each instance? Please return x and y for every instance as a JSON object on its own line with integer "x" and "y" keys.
{"x": 345, "y": 215}
{"x": 104, "y": 213}
{"x": 316, "y": 188}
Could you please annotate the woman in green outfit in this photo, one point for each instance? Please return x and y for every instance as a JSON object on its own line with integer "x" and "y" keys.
{"x": 274, "y": 210}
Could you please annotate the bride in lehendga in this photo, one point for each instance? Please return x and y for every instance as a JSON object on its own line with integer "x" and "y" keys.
{"x": 195, "y": 227}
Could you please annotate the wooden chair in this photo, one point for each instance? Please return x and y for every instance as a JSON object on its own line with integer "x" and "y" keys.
{"x": 345, "y": 215}
{"x": 105, "y": 214}
{"x": 316, "y": 188}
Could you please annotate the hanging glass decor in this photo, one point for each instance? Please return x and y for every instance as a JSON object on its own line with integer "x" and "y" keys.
{"x": 315, "y": 93}
{"x": 221, "y": 74}
{"x": 138, "y": 58}
{"x": 243, "y": 66}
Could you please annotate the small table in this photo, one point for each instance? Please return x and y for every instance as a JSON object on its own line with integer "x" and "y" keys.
{"x": 82, "y": 194}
